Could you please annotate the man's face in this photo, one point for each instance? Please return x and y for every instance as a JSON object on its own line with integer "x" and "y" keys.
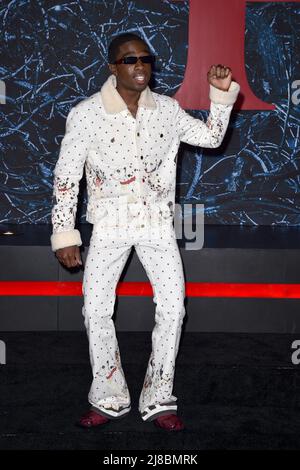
{"x": 133, "y": 77}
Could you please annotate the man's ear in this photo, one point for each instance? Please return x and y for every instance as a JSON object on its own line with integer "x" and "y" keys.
{"x": 113, "y": 68}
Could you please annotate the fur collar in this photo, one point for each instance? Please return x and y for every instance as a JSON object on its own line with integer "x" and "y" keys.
{"x": 113, "y": 103}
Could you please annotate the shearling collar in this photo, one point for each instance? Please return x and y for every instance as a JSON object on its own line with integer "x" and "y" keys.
{"x": 113, "y": 102}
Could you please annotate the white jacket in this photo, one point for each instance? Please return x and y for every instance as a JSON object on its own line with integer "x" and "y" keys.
{"x": 128, "y": 161}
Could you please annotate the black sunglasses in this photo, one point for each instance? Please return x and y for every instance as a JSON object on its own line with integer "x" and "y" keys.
{"x": 146, "y": 59}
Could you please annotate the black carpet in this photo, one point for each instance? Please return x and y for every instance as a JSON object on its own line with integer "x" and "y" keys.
{"x": 235, "y": 391}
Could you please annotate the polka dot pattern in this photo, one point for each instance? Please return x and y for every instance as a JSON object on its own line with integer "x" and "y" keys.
{"x": 126, "y": 156}
{"x": 163, "y": 265}
{"x": 129, "y": 159}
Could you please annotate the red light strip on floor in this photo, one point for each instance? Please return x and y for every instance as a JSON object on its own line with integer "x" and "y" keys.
{"x": 193, "y": 289}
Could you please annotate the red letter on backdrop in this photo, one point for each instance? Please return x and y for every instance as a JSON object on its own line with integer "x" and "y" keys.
{"x": 217, "y": 36}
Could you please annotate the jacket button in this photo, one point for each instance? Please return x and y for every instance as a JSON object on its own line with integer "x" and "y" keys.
{"x": 161, "y": 135}
{"x": 138, "y": 134}
{"x": 142, "y": 157}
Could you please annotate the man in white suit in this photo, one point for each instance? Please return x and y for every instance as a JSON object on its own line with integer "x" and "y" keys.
{"x": 127, "y": 137}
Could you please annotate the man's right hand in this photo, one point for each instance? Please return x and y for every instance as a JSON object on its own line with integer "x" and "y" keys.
{"x": 69, "y": 256}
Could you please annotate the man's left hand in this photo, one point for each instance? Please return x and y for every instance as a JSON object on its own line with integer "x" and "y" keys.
{"x": 220, "y": 76}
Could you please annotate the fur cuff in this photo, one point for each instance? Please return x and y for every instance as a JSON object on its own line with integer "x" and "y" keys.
{"x": 64, "y": 239}
{"x": 224, "y": 97}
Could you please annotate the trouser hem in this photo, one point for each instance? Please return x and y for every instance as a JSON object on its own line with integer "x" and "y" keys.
{"x": 110, "y": 413}
{"x": 152, "y": 412}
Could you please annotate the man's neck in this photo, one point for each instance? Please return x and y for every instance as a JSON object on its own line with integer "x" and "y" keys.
{"x": 131, "y": 98}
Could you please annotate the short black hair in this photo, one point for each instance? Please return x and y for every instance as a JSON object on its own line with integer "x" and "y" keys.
{"x": 115, "y": 44}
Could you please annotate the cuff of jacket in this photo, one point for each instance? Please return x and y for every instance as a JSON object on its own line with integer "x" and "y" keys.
{"x": 224, "y": 97}
{"x": 64, "y": 239}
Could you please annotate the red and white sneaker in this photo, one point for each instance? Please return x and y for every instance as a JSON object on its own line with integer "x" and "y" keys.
{"x": 92, "y": 419}
{"x": 169, "y": 422}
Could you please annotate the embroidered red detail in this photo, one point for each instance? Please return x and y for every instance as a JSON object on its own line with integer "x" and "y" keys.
{"x": 128, "y": 181}
{"x": 111, "y": 373}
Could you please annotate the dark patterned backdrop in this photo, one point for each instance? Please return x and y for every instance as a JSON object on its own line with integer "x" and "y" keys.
{"x": 53, "y": 55}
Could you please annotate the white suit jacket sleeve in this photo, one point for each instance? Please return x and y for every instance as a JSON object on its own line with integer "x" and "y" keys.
{"x": 210, "y": 133}
{"x": 68, "y": 172}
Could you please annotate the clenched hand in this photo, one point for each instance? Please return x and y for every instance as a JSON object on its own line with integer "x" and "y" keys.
{"x": 220, "y": 76}
{"x": 69, "y": 256}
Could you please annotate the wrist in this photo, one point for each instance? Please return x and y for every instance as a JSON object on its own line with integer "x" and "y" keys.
{"x": 221, "y": 88}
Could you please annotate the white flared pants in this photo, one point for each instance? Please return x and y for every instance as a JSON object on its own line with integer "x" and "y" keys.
{"x": 109, "y": 394}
